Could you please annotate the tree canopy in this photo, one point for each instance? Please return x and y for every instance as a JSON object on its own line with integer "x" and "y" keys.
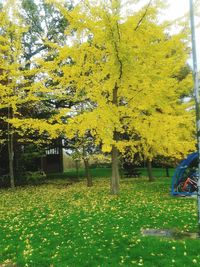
{"x": 121, "y": 79}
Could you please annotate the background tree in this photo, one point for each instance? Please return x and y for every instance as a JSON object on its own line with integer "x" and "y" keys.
{"x": 12, "y": 75}
{"x": 32, "y": 102}
{"x": 168, "y": 126}
{"x": 82, "y": 149}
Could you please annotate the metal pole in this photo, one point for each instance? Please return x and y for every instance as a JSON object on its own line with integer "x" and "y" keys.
{"x": 197, "y": 98}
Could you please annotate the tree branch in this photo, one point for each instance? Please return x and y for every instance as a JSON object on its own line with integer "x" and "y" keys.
{"x": 29, "y": 56}
{"x": 143, "y": 16}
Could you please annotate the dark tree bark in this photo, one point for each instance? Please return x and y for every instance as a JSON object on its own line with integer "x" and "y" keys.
{"x": 77, "y": 169}
{"x": 11, "y": 151}
{"x": 11, "y": 160}
{"x": 114, "y": 187}
{"x": 149, "y": 170}
{"x": 87, "y": 173}
{"x": 87, "y": 168}
{"x": 115, "y": 171}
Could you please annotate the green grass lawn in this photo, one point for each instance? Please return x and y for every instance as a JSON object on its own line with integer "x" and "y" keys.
{"x": 59, "y": 225}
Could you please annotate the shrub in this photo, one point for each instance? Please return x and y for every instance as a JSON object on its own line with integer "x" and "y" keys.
{"x": 35, "y": 177}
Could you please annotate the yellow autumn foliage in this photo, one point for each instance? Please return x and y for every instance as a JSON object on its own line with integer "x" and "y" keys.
{"x": 120, "y": 73}
{"x": 140, "y": 61}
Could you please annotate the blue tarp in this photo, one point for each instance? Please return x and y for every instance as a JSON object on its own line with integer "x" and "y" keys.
{"x": 180, "y": 171}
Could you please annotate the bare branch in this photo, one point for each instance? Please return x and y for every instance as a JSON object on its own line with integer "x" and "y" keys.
{"x": 143, "y": 16}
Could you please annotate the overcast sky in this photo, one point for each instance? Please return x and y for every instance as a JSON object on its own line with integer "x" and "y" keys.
{"x": 178, "y": 8}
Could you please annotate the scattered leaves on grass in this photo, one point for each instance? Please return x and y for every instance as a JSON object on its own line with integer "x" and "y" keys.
{"x": 80, "y": 226}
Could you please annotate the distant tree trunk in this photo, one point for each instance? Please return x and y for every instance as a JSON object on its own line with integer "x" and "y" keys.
{"x": 77, "y": 169}
{"x": 87, "y": 168}
{"x": 167, "y": 171}
{"x": 11, "y": 151}
{"x": 87, "y": 173}
{"x": 61, "y": 158}
{"x": 115, "y": 171}
{"x": 149, "y": 170}
{"x": 11, "y": 160}
{"x": 42, "y": 163}
{"x": 17, "y": 161}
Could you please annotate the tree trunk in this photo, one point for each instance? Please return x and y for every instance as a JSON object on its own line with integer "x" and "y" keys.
{"x": 115, "y": 160}
{"x": 115, "y": 171}
{"x": 87, "y": 169}
{"x": 87, "y": 173}
{"x": 11, "y": 151}
{"x": 77, "y": 169}
{"x": 167, "y": 171}
{"x": 149, "y": 170}
{"x": 11, "y": 160}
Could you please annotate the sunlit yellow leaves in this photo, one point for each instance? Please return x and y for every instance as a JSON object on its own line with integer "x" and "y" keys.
{"x": 36, "y": 126}
{"x": 11, "y": 75}
{"x": 104, "y": 53}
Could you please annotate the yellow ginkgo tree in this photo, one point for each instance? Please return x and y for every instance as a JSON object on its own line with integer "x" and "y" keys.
{"x": 17, "y": 86}
{"x": 123, "y": 71}
{"x": 11, "y": 76}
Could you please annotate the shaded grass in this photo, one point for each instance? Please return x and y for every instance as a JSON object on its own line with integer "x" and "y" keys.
{"x": 77, "y": 226}
{"x": 96, "y": 172}
{"x": 157, "y": 172}
{"x": 106, "y": 172}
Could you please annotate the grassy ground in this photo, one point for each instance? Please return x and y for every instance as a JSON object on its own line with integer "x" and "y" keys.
{"x": 59, "y": 225}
